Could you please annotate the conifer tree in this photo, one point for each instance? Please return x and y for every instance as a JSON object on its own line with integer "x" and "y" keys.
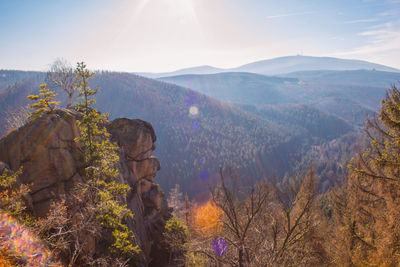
{"x": 102, "y": 188}
{"x": 45, "y": 102}
{"x": 175, "y": 237}
{"x": 370, "y": 206}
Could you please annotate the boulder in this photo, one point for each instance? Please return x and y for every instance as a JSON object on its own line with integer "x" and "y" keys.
{"x": 52, "y": 162}
{"x": 46, "y": 150}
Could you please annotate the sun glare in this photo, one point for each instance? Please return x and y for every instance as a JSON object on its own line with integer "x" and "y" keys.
{"x": 207, "y": 219}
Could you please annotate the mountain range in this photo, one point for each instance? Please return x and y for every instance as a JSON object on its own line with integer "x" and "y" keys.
{"x": 255, "y": 124}
{"x": 349, "y": 95}
{"x": 281, "y": 65}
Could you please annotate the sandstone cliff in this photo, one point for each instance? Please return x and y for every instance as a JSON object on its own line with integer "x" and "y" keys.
{"x": 52, "y": 163}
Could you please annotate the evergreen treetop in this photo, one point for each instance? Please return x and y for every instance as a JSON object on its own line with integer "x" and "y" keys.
{"x": 45, "y": 102}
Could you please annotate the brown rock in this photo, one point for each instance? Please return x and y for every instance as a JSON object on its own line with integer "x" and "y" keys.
{"x": 135, "y": 137}
{"x": 45, "y": 148}
{"x": 52, "y": 163}
{"x": 146, "y": 167}
{"x": 145, "y": 185}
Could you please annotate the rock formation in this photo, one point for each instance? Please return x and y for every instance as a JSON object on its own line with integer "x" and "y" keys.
{"x": 52, "y": 162}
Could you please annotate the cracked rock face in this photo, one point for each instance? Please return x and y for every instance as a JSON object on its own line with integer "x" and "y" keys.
{"x": 138, "y": 168}
{"x": 52, "y": 162}
{"x": 49, "y": 157}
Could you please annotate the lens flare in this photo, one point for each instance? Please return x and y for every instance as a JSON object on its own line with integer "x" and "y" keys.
{"x": 19, "y": 245}
{"x": 193, "y": 111}
{"x": 208, "y": 219}
{"x": 204, "y": 175}
{"x": 220, "y": 246}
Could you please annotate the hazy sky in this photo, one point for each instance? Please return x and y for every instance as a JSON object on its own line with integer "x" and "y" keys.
{"x": 164, "y": 35}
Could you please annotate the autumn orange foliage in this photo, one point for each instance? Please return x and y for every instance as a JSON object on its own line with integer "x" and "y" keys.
{"x": 207, "y": 219}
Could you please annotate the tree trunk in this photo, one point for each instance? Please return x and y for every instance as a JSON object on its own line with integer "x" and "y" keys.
{"x": 69, "y": 101}
{"x": 241, "y": 257}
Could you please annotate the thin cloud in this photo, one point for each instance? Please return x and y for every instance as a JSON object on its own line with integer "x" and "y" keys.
{"x": 289, "y": 15}
{"x": 373, "y": 33}
{"x": 383, "y": 40}
{"x": 360, "y": 21}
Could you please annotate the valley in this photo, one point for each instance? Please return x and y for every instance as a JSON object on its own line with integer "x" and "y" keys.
{"x": 258, "y": 125}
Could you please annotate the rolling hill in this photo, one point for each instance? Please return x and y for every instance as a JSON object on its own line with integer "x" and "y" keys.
{"x": 10, "y": 78}
{"x": 306, "y": 63}
{"x": 282, "y": 65}
{"x": 194, "y": 70}
{"x": 239, "y": 87}
{"x": 267, "y": 125}
{"x": 196, "y": 134}
{"x": 350, "y": 95}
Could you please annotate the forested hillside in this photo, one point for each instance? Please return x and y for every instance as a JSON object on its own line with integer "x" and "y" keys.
{"x": 327, "y": 108}
{"x": 239, "y": 87}
{"x": 196, "y": 134}
{"x": 10, "y": 78}
{"x": 275, "y": 220}
{"x": 349, "y": 95}
{"x": 282, "y": 123}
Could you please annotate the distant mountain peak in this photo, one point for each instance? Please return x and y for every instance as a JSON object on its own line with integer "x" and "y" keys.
{"x": 282, "y": 65}
{"x": 287, "y": 64}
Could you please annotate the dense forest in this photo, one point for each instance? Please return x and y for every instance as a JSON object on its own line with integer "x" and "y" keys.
{"x": 287, "y": 223}
{"x": 276, "y": 139}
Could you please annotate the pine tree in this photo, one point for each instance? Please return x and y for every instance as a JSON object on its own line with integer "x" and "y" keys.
{"x": 102, "y": 187}
{"x": 175, "y": 237}
{"x": 45, "y": 102}
{"x": 372, "y": 197}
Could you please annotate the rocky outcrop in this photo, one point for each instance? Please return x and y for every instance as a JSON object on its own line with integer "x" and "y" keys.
{"x": 138, "y": 169}
{"x": 52, "y": 162}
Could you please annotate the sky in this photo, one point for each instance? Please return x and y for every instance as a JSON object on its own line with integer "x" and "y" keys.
{"x": 166, "y": 35}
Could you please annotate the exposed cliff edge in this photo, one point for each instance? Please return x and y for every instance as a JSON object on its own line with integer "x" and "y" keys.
{"x": 52, "y": 162}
